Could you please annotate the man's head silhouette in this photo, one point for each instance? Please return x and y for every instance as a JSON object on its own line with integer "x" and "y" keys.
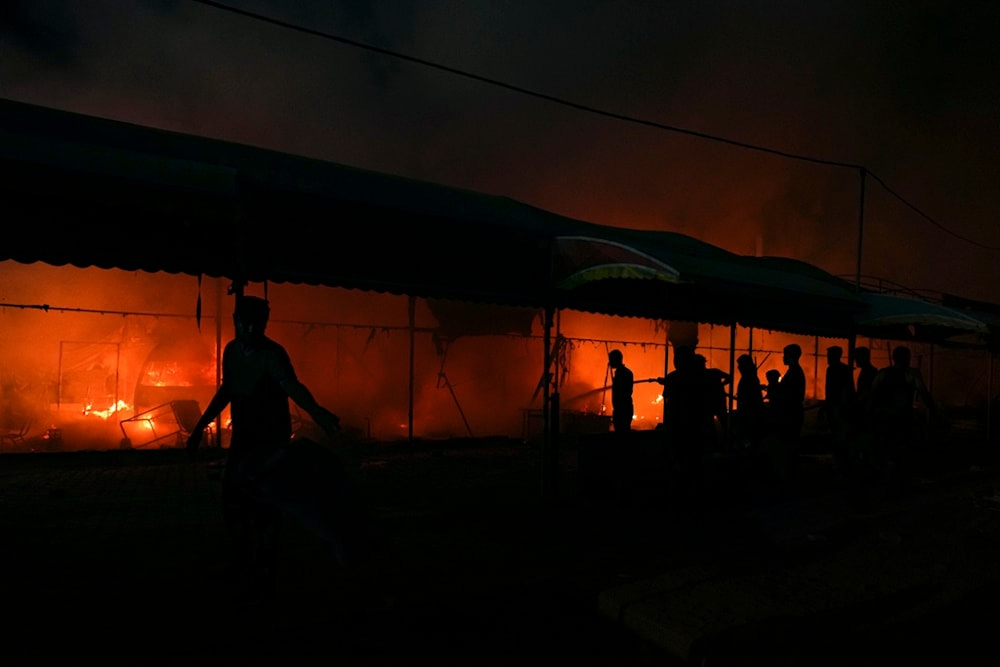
{"x": 250, "y": 315}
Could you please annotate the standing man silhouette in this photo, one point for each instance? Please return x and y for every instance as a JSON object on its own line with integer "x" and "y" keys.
{"x": 749, "y": 403}
{"x": 789, "y": 402}
{"x": 892, "y": 411}
{"x": 257, "y": 381}
{"x": 839, "y": 400}
{"x": 622, "y": 381}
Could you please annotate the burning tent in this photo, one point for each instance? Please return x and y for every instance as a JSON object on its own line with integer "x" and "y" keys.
{"x": 196, "y": 198}
{"x": 202, "y": 202}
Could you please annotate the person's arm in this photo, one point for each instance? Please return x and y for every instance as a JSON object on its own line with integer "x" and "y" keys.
{"x": 298, "y": 392}
{"x": 279, "y": 366}
{"x": 215, "y": 407}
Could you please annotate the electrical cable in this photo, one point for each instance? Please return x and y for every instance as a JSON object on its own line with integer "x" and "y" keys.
{"x": 590, "y": 109}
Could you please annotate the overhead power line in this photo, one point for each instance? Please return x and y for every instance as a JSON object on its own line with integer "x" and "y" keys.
{"x": 929, "y": 218}
{"x": 592, "y": 110}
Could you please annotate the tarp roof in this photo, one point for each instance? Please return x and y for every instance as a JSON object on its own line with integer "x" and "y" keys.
{"x": 88, "y": 191}
{"x": 899, "y": 317}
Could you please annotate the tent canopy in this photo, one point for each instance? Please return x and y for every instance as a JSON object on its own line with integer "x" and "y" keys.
{"x": 896, "y": 317}
{"x": 88, "y": 191}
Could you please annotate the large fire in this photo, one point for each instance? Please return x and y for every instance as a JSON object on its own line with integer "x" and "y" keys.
{"x": 126, "y": 343}
{"x": 117, "y": 407}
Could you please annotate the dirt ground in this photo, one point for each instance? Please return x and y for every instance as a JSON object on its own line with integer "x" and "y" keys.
{"x": 119, "y": 556}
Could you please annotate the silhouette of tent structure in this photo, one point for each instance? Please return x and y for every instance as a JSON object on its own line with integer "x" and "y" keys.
{"x": 203, "y": 207}
{"x": 199, "y": 206}
{"x": 898, "y": 317}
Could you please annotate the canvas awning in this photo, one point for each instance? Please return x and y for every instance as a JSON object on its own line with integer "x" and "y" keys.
{"x": 186, "y": 204}
{"x": 582, "y": 259}
{"x": 900, "y": 317}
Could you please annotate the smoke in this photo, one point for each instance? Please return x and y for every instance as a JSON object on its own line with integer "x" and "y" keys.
{"x": 907, "y": 92}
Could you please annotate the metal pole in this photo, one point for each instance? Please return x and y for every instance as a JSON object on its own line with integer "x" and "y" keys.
{"x": 732, "y": 382}
{"x": 118, "y": 363}
{"x": 861, "y": 228}
{"x": 930, "y": 370}
{"x": 547, "y": 438}
{"x": 989, "y": 399}
{"x": 413, "y": 329}
{"x": 666, "y": 372}
{"x": 816, "y": 368}
{"x": 216, "y": 433}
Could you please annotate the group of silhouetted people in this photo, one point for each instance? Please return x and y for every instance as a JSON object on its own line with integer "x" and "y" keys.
{"x": 869, "y": 418}
{"x": 885, "y": 426}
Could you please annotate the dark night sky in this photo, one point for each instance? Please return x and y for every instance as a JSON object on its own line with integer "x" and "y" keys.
{"x": 908, "y": 90}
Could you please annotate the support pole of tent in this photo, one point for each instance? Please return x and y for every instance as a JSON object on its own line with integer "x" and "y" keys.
{"x": 733, "y": 380}
{"x": 118, "y": 377}
{"x": 852, "y": 341}
{"x": 217, "y": 432}
{"x": 59, "y": 378}
{"x": 861, "y": 231}
{"x": 443, "y": 379}
{"x": 549, "y": 436}
{"x": 930, "y": 370}
{"x": 852, "y": 345}
{"x": 816, "y": 367}
{"x": 989, "y": 396}
{"x": 555, "y": 405}
{"x": 666, "y": 371}
{"x": 411, "y": 313}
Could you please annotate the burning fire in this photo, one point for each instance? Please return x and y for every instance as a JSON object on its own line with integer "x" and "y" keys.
{"x": 104, "y": 414}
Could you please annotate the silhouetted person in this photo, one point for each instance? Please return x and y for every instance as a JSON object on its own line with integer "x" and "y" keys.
{"x": 772, "y": 377}
{"x": 838, "y": 400}
{"x": 715, "y": 381}
{"x": 866, "y": 375}
{"x": 688, "y": 417}
{"x": 622, "y": 383}
{"x": 749, "y": 418}
{"x": 789, "y": 401}
{"x": 681, "y": 397}
{"x": 787, "y": 406}
{"x": 891, "y": 408}
{"x": 257, "y": 381}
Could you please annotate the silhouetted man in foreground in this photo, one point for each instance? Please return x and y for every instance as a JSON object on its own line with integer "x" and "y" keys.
{"x": 257, "y": 381}
{"x": 892, "y": 412}
{"x": 787, "y": 404}
{"x": 689, "y": 395}
{"x": 715, "y": 395}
